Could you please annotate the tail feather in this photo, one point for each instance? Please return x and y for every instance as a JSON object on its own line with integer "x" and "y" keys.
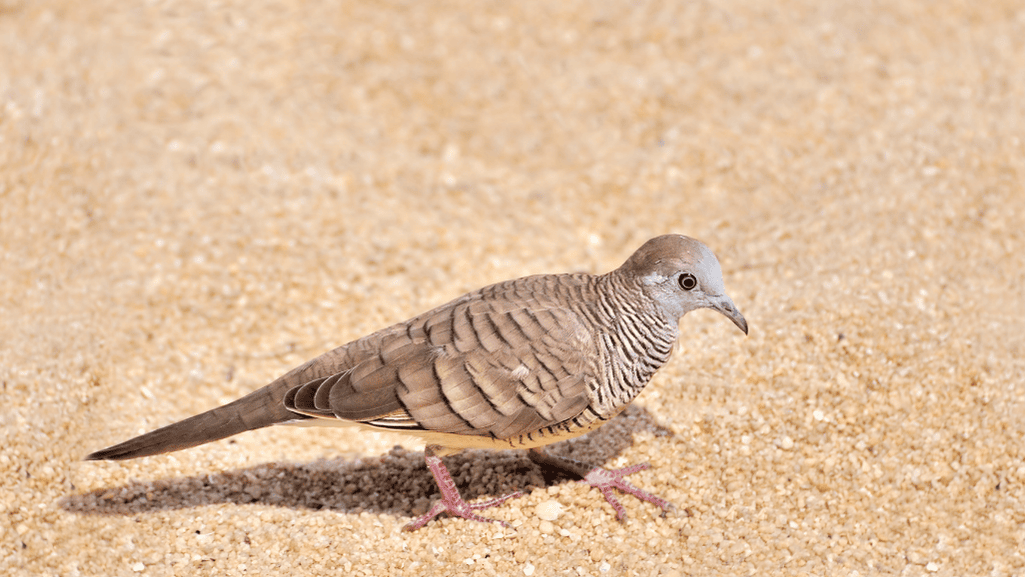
{"x": 256, "y": 410}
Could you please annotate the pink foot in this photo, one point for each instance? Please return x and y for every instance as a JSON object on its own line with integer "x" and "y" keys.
{"x": 606, "y": 480}
{"x": 461, "y": 508}
{"x": 451, "y": 501}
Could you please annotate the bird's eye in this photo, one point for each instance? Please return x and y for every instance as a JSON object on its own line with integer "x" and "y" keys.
{"x": 687, "y": 281}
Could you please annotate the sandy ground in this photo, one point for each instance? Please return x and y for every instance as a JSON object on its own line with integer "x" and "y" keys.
{"x": 196, "y": 197}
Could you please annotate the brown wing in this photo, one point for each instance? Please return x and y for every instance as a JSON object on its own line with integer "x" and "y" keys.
{"x": 501, "y": 362}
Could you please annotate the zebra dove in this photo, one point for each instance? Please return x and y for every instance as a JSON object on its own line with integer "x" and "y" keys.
{"x": 515, "y": 365}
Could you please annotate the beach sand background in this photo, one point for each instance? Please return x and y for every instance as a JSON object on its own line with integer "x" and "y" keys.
{"x": 197, "y": 196}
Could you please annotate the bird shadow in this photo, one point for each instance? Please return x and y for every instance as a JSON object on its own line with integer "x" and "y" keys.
{"x": 396, "y": 483}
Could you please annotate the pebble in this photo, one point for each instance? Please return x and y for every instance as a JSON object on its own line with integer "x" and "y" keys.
{"x": 549, "y": 510}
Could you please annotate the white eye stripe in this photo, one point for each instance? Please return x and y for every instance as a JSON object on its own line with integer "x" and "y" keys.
{"x": 653, "y": 278}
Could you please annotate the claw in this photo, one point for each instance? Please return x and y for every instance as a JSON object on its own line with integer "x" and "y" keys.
{"x": 605, "y": 480}
{"x": 460, "y": 508}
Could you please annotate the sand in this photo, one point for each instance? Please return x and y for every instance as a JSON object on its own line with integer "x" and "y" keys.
{"x": 196, "y": 197}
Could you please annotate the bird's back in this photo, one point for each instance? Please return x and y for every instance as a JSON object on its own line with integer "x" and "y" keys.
{"x": 494, "y": 367}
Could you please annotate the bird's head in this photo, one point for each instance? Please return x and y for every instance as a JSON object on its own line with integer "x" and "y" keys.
{"x": 680, "y": 274}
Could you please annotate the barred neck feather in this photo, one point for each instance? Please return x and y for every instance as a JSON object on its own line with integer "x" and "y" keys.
{"x": 634, "y": 340}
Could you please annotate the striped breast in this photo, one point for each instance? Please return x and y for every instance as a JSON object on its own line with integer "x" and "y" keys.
{"x": 634, "y": 342}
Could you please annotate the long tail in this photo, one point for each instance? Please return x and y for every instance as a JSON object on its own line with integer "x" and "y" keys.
{"x": 256, "y": 410}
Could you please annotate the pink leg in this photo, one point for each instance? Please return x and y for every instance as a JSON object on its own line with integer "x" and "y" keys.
{"x": 604, "y": 480}
{"x": 451, "y": 501}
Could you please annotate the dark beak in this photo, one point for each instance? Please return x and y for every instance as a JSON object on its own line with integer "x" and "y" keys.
{"x": 724, "y": 305}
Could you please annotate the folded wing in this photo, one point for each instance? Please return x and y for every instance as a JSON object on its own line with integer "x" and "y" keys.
{"x": 498, "y": 367}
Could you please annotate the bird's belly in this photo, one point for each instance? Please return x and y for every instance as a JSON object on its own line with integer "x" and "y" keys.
{"x": 453, "y": 443}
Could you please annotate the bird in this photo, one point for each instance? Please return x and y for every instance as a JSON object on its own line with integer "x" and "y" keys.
{"x": 520, "y": 364}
